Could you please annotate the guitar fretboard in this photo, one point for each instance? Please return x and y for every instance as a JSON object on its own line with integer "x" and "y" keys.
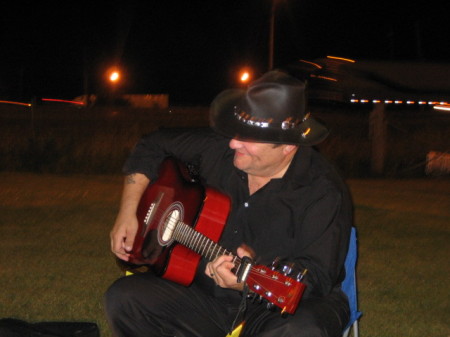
{"x": 200, "y": 243}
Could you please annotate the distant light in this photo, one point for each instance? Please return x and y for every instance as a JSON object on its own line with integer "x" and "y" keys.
{"x": 16, "y": 103}
{"x": 341, "y": 58}
{"x": 61, "y": 101}
{"x": 325, "y": 78}
{"x": 114, "y": 77}
{"x": 245, "y": 77}
{"x": 312, "y": 63}
{"x": 397, "y": 101}
{"x": 445, "y": 107}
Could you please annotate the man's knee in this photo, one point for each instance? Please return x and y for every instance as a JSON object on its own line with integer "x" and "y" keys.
{"x": 321, "y": 317}
{"x": 114, "y": 298}
{"x": 306, "y": 325}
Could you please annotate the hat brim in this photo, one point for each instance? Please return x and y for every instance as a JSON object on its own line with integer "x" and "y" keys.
{"x": 224, "y": 121}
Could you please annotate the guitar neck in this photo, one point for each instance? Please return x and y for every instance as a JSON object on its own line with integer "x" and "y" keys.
{"x": 278, "y": 289}
{"x": 200, "y": 243}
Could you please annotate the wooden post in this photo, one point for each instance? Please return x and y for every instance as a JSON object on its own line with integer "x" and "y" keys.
{"x": 377, "y": 136}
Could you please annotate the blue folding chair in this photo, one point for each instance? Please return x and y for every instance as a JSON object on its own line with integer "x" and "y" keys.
{"x": 349, "y": 285}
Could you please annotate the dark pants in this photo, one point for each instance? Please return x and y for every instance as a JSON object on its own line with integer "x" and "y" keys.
{"x": 144, "y": 305}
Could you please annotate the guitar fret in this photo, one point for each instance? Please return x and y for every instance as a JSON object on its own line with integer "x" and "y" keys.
{"x": 196, "y": 240}
{"x": 187, "y": 234}
{"x": 178, "y": 233}
{"x": 191, "y": 240}
{"x": 211, "y": 246}
{"x": 216, "y": 252}
{"x": 220, "y": 251}
{"x": 204, "y": 242}
{"x": 184, "y": 237}
{"x": 209, "y": 250}
{"x": 213, "y": 254}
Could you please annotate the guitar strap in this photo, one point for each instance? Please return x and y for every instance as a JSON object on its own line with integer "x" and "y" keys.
{"x": 242, "y": 273}
{"x": 241, "y": 310}
{"x": 254, "y": 319}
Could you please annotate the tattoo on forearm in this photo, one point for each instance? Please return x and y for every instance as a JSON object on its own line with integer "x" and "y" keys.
{"x": 129, "y": 179}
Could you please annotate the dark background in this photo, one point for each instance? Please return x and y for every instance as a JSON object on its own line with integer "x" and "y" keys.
{"x": 193, "y": 49}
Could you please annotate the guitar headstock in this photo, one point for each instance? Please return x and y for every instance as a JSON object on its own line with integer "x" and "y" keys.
{"x": 277, "y": 288}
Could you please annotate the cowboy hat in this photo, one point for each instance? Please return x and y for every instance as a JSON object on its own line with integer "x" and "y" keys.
{"x": 273, "y": 109}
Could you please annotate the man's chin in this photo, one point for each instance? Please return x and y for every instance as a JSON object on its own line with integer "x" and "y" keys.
{"x": 239, "y": 162}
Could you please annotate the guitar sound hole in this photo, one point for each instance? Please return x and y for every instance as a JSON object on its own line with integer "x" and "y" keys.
{"x": 170, "y": 223}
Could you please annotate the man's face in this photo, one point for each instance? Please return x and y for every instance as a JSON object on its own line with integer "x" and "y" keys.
{"x": 260, "y": 159}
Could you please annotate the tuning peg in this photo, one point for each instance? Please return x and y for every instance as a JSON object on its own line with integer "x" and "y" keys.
{"x": 270, "y": 306}
{"x": 250, "y": 295}
{"x": 284, "y": 314}
{"x": 287, "y": 268}
{"x": 275, "y": 263}
{"x": 301, "y": 274}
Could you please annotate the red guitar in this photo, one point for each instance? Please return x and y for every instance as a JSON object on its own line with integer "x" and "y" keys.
{"x": 180, "y": 221}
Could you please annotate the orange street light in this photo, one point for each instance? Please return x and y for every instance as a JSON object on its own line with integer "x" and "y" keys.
{"x": 245, "y": 76}
{"x": 114, "y": 76}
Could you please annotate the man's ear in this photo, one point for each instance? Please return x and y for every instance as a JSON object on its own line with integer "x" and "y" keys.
{"x": 288, "y": 148}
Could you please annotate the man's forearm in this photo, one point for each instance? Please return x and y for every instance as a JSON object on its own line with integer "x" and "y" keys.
{"x": 134, "y": 186}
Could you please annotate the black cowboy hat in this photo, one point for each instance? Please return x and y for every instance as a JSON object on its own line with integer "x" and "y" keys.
{"x": 273, "y": 109}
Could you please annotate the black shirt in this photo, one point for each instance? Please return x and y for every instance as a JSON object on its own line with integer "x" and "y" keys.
{"x": 304, "y": 217}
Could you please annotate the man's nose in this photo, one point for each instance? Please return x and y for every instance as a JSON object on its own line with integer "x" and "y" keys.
{"x": 235, "y": 144}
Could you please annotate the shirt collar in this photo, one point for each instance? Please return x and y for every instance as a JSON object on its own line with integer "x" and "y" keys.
{"x": 299, "y": 170}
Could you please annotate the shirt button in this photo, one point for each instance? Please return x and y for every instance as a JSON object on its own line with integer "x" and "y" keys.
{"x": 246, "y": 204}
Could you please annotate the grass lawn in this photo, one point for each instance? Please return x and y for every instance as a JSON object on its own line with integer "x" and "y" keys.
{"x": 55, "y": 261}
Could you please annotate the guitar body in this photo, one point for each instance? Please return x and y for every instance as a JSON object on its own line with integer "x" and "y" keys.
{"x": 173, "y": 198}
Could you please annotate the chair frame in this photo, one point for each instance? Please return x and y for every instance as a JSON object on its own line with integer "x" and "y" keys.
{"x": 349, "y": 285}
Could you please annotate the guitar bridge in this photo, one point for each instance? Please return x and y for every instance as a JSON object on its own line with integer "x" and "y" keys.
{"x": 151, "y": 212}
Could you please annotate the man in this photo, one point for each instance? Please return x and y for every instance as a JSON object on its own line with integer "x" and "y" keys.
{"x": 287, "y": 202}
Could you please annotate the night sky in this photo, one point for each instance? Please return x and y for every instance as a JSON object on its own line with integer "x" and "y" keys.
{"x": 193, "y": 49}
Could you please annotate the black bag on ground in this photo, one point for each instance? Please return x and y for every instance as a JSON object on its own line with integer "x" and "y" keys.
{"x": 10, "y": 327}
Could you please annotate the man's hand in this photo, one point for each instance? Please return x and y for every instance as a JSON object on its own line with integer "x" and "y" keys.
{"x": 123, "y": 234}
{"x": 125, "y": 228}
{"x": 220, "y": 269}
